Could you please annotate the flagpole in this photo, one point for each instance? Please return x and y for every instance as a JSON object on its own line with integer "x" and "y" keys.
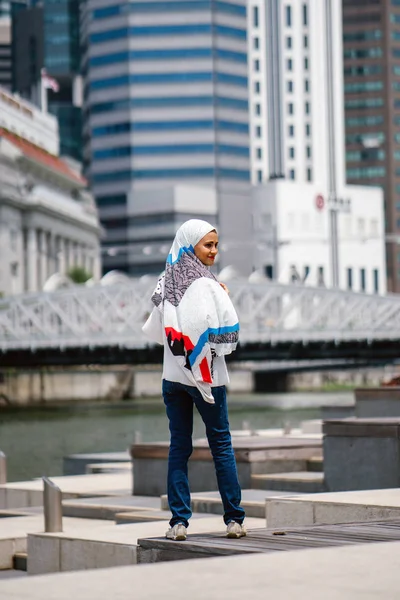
{"x": 43, "y": 93}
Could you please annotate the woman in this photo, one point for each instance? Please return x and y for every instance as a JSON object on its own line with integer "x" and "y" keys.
{"x": 195, "y": 320}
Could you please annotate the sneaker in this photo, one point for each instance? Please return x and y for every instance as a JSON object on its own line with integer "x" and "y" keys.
{"x": 235, "y": 530}
{"x": 177, "y": 533}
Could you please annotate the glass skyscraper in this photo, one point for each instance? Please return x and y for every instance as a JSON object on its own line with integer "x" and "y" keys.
{"x": 46, "y": 34}
{"x": 166, "y": 101}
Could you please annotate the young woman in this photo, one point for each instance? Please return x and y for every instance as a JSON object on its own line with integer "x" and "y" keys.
{"x": 195, "y": 320}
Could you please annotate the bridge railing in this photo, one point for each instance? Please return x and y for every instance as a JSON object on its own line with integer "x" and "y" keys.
{"x": 268, "y": 312}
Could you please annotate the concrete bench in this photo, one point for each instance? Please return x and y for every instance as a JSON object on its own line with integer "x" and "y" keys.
{"x": 362, "y": 454}
{"x": 253, "y": 456}
{"x": 377, "y": 402}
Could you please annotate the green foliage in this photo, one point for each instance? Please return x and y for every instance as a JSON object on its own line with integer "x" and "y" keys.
{"x": 79, "y": 274}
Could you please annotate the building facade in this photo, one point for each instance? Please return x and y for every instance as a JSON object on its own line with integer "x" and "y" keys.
{"x": 166, "y": 105}
{"x": 371, "y": 34}
{"x": 298, "y": 152}
{"x": 46, "y": 35}
{"x": 5, "y": 50}
{"x": 296, "y": 91}
{"x": 48, "y": 220}
{"x": 292, "y": 236}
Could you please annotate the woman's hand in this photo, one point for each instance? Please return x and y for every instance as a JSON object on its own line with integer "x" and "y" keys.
{"x": 224, "y": 287}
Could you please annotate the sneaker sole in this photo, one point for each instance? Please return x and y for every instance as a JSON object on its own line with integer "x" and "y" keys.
{"x": 235, "y": 536}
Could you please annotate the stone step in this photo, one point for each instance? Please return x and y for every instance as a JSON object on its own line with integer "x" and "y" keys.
{"x": 315, "y": 464}
{"x": 253, "y": 502}
{"x": 20, "y": 561}
{"x": 301, "y": 482}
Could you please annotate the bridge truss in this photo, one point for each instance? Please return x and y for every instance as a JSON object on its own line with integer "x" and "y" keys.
{"x": 269, "y": 313}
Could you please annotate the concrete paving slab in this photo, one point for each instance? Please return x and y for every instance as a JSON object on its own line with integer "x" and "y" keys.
{"x": 14, "y": 532}
{"x": 30, "y": 493}
{"x": 105, "y": 545}
{"x": 147, "y": 516}
{"x": 333, "y": 507}
{"x": 350, "y": 573}
{"x": 106, "y": 507}
{"x": 109, "y": 467}
{"x": 75, "y": 464}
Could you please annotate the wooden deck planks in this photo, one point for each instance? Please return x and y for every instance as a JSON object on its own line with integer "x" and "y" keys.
{"x": 267, "y": 540}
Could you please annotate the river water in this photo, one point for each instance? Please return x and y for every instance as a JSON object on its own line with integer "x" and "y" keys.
{"x": 36, "y": 439}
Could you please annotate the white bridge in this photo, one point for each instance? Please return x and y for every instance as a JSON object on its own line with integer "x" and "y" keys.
{"x": 269, "y": 313}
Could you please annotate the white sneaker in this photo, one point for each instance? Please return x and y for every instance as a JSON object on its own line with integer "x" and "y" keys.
{"x": 235, "y": 530}
{"x": 177, "y": 533}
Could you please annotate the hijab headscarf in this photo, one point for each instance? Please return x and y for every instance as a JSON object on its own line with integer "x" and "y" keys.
{"x": 198, "y": 317}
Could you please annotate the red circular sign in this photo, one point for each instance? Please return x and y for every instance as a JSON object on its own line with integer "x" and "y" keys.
{"x": 319, "y": 202}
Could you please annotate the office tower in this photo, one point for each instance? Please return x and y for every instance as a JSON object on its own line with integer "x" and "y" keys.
{"x": 46, "y": 35}
{"x": 166, "y": 106}
{"x": 307, "y": 220}
{"x": 5, "y": 49}
{"x": 296, "y": 103}
{"x": 371, "y": 35}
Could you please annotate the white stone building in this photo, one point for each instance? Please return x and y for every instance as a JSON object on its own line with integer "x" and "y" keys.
{"x": 48, "y": 219}
{"x": 292, "y": 238}
{"x": 298, "y": 153}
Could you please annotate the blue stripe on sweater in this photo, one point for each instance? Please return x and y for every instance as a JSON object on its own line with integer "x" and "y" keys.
{"x": 204, "y": 338}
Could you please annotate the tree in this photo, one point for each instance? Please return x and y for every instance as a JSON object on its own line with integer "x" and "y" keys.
{"x": 79, "y": 274}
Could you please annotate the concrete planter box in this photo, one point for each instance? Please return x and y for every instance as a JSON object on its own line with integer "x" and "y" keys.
{"x": 362, "y": 454}
{"x": 377, "y": 402}
{"x": 253, "y": 456}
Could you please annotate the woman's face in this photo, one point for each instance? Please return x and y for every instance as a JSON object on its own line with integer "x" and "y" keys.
{"x": 207, "y": 248}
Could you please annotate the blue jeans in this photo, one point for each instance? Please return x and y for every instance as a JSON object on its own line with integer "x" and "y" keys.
{"x": 179, "y": 400}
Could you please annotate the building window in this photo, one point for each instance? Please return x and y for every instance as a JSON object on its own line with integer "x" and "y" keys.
{"x": 305, "y": 15}
{"x": 288, "y": 15}
{"x": 306, "y": 85}
{"x": 308, "y": 151}
{"x": 292, "y": 174}
{"x": 307, "y": 108}
{"x": 305, "y": 41}
{"x": 290, "y": 108}
{"x": 291, "y": 152}
{"x": 259, "y": 176}
{"x": 362, "y": 280}
{"x": 309, "y": 174}
{"x": 256, "y": 65}
{"x": 289, "y": 64}
{"x": 321, "y": 280}
{"x": 289, "y": 86}
{"x": 255, "y": 16}
{"x": 306, "y": 64}
{"x": 259, "y": 153}
{"x": 257, "y": 87}
{"x": 258, "y": 109}
{"x": 258, "y": 131}
{"x": 256, "y": 43}
{"x": 349, "y": 278}
{"x": 291, "y": 130}
{"x": 288, "y": 42}
{"x": 308, "y": 130}
{"x": 375, "y": 274}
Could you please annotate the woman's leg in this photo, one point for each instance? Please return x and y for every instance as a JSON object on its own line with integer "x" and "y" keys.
{"x": 179, "y": 405}
{"x": 215, "y": 417}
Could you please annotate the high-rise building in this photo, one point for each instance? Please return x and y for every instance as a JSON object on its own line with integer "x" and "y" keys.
{"x": 371, "y": 35}
{"x": 166, "y": 105}
{"x": 296, "y": 102}
{"x": 46, "y": 35}
{"x": 308, "y": 221}
{"x": 5, "y": 49}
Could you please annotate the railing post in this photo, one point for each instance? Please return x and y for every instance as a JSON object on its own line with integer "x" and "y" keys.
{"x": 52, "y": 506}
{"x": 3, "y": 468}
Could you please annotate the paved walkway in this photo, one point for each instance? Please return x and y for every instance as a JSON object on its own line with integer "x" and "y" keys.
{"x": 351, "y": 573}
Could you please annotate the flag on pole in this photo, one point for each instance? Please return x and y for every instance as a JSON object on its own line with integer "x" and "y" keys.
{"x": 49, "y": 82}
